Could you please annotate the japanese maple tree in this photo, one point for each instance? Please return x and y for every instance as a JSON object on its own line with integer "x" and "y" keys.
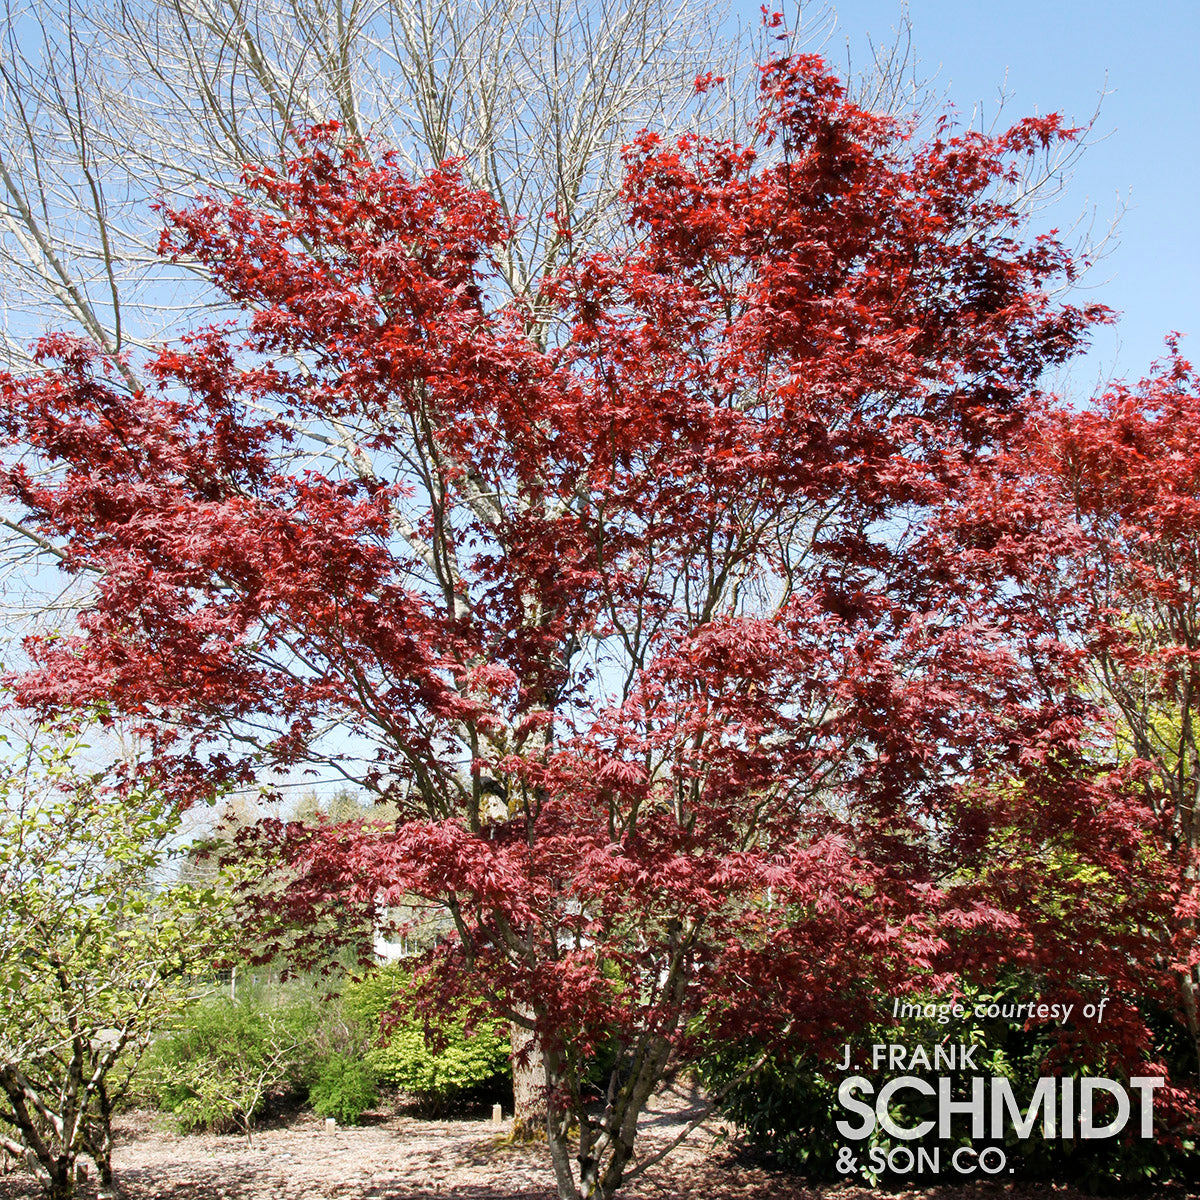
{"x": 627, "y": 594}
{"x": 1112, "y": 567}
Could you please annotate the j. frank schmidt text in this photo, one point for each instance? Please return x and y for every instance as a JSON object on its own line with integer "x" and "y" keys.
{"x": 986, "y": 1108}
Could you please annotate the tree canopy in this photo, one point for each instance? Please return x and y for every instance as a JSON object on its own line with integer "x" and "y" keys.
{"x": 674, "y": 555}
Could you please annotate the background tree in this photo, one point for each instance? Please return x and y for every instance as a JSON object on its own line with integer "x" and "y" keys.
{"x": 661, "y": 580}
{"x": 95, "y": 944}
{"x": 111, "y": 105}
{"x": 1114, "y": 561}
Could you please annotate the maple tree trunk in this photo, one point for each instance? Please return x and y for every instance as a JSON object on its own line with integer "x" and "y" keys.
{"x": 1187, "y": 980}
{"x": 558, "y": 1130}
{"x": 529, "y": 1084}
{"x": 1191, "y": 1009}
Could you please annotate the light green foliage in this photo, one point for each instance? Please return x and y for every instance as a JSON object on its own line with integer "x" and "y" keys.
{"x": 343, "y": 1087}
{"x": 95, "y": 944}
{"x": 467, "y": 1065}
{"x": 225, "y": 1059}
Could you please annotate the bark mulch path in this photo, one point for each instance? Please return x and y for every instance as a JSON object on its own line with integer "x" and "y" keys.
{"x": 404, "y": 1158}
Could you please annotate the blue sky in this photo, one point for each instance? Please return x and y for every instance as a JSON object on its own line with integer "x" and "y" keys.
{"x": 1059, "y": 56}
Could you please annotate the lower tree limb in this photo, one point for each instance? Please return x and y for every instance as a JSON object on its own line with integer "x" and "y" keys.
{"x": 99, "y": 1140}
{"x": 40, "y": 1131}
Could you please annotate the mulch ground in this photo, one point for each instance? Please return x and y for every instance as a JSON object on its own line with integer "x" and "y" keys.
{"x": 397, "y": 1157}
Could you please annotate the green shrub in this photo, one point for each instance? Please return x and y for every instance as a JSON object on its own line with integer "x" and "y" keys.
{"x": 470, "y": 1067}
{"x": 342, "y": 1087}
{"x": 225, "y": 1059}
{"x": 788, "y": 1109}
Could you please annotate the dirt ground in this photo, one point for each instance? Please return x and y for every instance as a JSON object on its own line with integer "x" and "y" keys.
{"x": 404, "y": 1158}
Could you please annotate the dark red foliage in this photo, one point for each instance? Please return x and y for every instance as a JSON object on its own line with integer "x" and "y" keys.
{"x": 1108, "y": 542}
{"x": 687, "y": 588}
